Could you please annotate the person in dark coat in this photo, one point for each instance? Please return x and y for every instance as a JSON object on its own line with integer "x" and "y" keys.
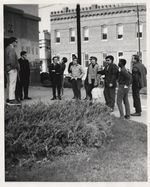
{"x": 55, "y": 77}
{"x": 24, "y": 75}
{"x": 139, "y": 72}
{"x": 111, "y": 74}
{"x": 123, "y": 90}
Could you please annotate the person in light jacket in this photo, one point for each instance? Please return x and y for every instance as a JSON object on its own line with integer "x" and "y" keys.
{"x": 76, "y": 74}
{"x": 12, "y": 69}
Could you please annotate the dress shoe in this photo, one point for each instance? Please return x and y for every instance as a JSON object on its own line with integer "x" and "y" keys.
{"x": 59, "y": 97}
{"x": 13, "y": 102}
{"x": 136, "y": 114}
{"x": 127, "y": 117}
{"x": 28, "y": 98}
{"x": 54, "y": 98}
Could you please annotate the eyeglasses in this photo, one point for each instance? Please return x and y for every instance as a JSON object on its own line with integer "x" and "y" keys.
{"x": 107, "y": 60}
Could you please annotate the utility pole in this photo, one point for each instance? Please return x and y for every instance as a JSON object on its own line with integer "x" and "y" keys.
{"x": 138, "y": 24}
{"x": 78, "y": 33}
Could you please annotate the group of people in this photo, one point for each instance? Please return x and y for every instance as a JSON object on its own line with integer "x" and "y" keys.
{"x": 114, "y": 76}
{"x": 17, "y": 73}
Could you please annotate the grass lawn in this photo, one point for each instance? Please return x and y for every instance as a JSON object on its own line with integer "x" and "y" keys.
{"x": 123, "y": 159}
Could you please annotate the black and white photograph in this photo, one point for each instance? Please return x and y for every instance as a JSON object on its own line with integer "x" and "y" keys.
{"x": 74, "y": 80}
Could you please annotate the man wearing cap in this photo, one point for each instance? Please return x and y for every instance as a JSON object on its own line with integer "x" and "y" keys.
{"x": 12, "y": 68}
{"x": 92, "y": 75}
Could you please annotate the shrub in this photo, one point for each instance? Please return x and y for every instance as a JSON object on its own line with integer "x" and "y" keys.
{"x": 41, "y": 130}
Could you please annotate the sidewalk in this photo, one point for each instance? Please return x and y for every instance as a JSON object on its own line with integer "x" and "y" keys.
{"x": 44, "y": 94}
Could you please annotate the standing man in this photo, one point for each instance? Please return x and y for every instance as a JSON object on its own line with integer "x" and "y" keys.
{"x": 76, "y": 77}
{"x": 123, "y": 90}
{"x": 55, "y": 77}
{"x": 12, "y": 68}
{"x": 111, "y": 74}
{"x": 63, "y": 66}
{"x": 24, "y": 75}
{"x": 92, "y": 75}
{"x": 138, "y": 81}
{"x": 69, "y": 68}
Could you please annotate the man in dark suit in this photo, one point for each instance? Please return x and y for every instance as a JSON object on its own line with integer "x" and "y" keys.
{"x": 24, "y": 75}
{"x": 55, "y": 77}
{"x": 139, "y": 72}
{"x": 111, "y": 74}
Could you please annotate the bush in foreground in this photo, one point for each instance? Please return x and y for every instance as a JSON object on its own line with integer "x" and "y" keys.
{"x": 43, "y": 130}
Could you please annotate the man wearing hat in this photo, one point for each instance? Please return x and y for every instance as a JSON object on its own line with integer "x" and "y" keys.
{"x": 12, "y": 68}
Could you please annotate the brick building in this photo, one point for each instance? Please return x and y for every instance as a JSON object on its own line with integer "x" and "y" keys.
{"x": 105, "y": 29}
{"x": 22, "y": 22}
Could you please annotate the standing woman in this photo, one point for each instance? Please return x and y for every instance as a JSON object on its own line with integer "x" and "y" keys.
{"x": 92, "y": 75}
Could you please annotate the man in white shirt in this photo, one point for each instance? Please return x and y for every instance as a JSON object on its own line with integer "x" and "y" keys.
{"x": 76, "y": 74}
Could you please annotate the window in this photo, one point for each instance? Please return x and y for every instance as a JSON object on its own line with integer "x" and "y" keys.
{"x": 140, "y": 30}
{"x": 22, "y": 48}
{"x": 119, "y": 31}
{"x": 37, "y": 51}
{"x": 86, "y": 60}
{"x": 120, "y": 54}
{"x": 28, "y": 49}
{"x": 104, "y": 32}
{"x": 57, "y": 36}
{"x": 85, "y": 34}
{"x": 104, "y": 56}
{"x": 72, "y": 35}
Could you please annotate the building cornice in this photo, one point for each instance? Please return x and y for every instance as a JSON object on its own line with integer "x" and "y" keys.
{"x": 21, "y": 12}
{"x": 95, "y": 11}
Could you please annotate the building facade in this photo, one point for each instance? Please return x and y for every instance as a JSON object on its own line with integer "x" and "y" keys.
{"x": 105, "y": 30}
{"x": 45, "y": 52}
{"x": 22, "y": 22}
{"x": 23, "y": 26}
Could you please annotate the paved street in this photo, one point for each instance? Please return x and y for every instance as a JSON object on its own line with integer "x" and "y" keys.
{"x": 44, "y": 94}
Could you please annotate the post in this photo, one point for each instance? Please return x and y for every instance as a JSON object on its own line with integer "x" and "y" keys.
{"x": 138, "y": 23}
{"x": 78, "y": 33}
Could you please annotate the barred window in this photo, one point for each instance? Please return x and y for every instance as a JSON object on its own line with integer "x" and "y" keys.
{"x": 85, "y": 33}
{"x": 86, "y": 60}
{"x": 72, "y": 35}
{"x": 104, "y": 32}
{"x": 119, "y": 31}
{"x": 140, "y": 30}
{"x": 57, "y": 36}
